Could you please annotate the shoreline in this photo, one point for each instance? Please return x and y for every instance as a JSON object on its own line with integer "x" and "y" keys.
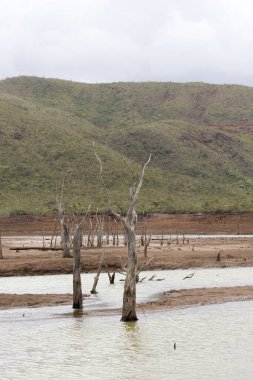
{"x": 169, "y": 300}
{"x": 197, "y": 253}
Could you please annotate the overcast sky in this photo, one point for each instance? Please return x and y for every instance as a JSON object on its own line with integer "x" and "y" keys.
{"x": 128, "y": 40}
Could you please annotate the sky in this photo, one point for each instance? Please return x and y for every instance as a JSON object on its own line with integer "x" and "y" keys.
{"x": 128, "y": 40}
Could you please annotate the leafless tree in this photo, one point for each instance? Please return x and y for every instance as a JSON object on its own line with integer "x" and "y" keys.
{"x": 237, "y": 221}
{"x": 129, "y": 223}
{"x": 91, "y": 235}
{"x": 77, "y": 243}
{"x": 145, "y": 240}
{"x": 1, "y": 250}
{"x": 99, "y": 229}
{"x": 96, "y": 278}
{"x": 65, "y": 229}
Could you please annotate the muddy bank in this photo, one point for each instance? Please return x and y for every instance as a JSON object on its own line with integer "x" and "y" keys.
{"x": 221, "y": 223}
{"x": 199, "y": 253}
{"x": 169, "y": 300}
{"x": 10, "y": 301}
{"x": 202, "y": 296}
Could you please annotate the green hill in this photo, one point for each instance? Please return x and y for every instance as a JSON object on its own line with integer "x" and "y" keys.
{"x": 200, "y": 137}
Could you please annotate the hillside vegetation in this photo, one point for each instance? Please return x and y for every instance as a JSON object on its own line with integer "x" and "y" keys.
{"x": 200, "y": 137}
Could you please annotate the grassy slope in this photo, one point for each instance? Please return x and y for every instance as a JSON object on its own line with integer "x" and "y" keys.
{"x": 46, "y": 127}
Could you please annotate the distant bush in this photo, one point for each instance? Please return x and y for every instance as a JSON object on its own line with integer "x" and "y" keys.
{"x": 18, "y": 212}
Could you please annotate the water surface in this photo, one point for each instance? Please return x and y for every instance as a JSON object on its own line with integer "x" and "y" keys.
{"x": 213, "y": 342}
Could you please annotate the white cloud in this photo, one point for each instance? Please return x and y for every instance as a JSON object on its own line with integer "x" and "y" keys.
{"x": 133, "y": 40}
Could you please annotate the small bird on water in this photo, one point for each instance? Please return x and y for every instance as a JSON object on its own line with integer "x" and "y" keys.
{"x": 175, "y": 346}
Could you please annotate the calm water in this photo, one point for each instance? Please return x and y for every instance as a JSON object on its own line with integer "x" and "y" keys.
{"x": 111, "y": 296}
{"x": 38, "y": 240}
{"x": 213, "y": 342}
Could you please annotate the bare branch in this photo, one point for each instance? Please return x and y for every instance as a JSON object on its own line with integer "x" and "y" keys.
{"x": 130, "y": 169}
{"x": 145, "y": 265}
{"x": 136, "y": 188}
{"x": 115, "y": 214}
{"x": 62, "y": 186}
{"x": 96, "y": 278}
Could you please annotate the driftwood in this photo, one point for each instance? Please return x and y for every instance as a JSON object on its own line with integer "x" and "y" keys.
{"x": 189, "y": 276}
{"x": 152, "y": 278}
{"x": 36, "y": 248}
{"x": 138, "y": 271}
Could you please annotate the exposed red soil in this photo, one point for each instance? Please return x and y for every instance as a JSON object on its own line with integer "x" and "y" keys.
{"x": 195, "y": 253}
{"x": 199, "y": 253}
{"x": 156, "y": 223}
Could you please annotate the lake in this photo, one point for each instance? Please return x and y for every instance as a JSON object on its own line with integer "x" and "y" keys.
{"x": 212, "y": 342}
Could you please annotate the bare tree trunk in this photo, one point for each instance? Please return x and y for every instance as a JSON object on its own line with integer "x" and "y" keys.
{"x": 65, "y": 238}
{"x": 129, "y": 223}
{"x": 91, "y": 235}
{"x": 65, "y": 235}
{"x": 110, "y": 276}
{"x": 66, "y": 242}
{"x": 99, "y": 230}
{"x": 54, "y": 234}
{"x": 146, "y": 240}
{"x": 1, "y": 250}
{"x": 129, "y": 297}
{"x": 96, "y": 278}
{"x": 77, "y": 285}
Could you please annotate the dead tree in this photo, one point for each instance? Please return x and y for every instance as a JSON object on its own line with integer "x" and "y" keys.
{"x": 99, "y": 230}
{"x": 65, "y": 233}
{"x": 145, "y": 267}
{"x": 218, "y": 256}
{"x": 91, "y": 236}
{"x": 77, "y": 284}
{"x": 146, "y": 239}
{"x": 110, "y": 276}
{"x": 129, "y": 224}
{"x": 96, "y": 278}
{"x": 54, "y": 235}
{"x": 123, "y": 269}
{"x": 161, "y": 242}
{"x": 1, "y": 250}
{"x": 237, "y": 221}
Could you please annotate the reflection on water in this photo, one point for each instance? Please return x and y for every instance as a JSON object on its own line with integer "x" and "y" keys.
{"x": 213, "y": 342}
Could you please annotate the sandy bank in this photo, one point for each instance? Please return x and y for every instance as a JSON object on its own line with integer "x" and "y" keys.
{"x": 169, "y": 300}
